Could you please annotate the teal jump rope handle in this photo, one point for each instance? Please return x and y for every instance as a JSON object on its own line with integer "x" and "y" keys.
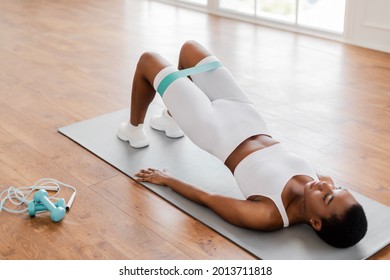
{"x": 34, "y": 207}
{"x": 57, "y": 213}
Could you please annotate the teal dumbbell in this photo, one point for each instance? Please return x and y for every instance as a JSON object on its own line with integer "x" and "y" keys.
{"x": 57, "y": 213}
{"x": 34, "y": 207}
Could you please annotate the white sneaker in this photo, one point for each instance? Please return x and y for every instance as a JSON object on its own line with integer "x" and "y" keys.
{"x": 165, "y": 122}
{"x": 134, "y": 134}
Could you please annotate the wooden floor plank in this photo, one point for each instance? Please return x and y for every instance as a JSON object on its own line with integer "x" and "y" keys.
{"x": 93, "y": 228}
{"x": 198, "y": 242}
{"x": 56, "y": 148}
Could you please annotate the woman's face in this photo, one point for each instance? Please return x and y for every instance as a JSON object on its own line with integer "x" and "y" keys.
{"x": 322, "y": 200}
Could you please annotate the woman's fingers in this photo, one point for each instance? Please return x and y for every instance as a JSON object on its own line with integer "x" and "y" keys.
{"x": 141, "y": 174}
{"x": 146, "y": 172}
{"x": 152, "y": 170}
{"x": 152, "y": 175}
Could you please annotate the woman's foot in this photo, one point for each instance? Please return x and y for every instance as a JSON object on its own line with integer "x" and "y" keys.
{"x": 166, "y": 123}
{"x": 134, "y": 134}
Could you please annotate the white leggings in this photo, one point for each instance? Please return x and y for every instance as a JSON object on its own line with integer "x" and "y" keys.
{"x": 213, "y": 111}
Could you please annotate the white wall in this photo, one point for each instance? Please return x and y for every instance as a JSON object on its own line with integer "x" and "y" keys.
{"x": 368, "y": 24}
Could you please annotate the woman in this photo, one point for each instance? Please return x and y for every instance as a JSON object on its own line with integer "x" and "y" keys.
{"x": 281, "y": 189}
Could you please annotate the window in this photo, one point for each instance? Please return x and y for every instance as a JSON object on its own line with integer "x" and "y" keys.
{"x": 242, "y": 6}
{"x": 283, "y": 10}
{"x": 324, "y": 15}
{"x": 199, "y": 2}
{"x": 327, "y": 15}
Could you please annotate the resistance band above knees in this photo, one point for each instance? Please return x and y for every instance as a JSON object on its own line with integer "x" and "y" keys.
{"x": 170, "y": 78}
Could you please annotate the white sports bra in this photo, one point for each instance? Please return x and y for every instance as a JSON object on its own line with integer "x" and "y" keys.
{"x": 267, "y": 171}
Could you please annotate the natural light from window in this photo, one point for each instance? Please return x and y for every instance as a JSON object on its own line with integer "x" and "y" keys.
{"x": 325, "y": 15}
{"x": 200, "y": 2}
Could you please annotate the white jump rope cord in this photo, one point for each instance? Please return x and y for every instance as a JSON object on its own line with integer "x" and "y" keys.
{"x": 18, "y": 196}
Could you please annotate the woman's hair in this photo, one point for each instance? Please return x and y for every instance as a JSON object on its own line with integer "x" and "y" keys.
{"x": 345, "y": 231}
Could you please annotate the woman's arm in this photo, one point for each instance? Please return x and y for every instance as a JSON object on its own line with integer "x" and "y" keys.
{"x": 164, "y": 179}
{"x": 242, "y": 213}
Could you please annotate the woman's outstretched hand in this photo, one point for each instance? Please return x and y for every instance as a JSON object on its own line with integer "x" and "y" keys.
{"x": 153, "y": 176}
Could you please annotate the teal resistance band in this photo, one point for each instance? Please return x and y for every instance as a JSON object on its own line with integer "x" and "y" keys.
{"x": 169, "y": 79}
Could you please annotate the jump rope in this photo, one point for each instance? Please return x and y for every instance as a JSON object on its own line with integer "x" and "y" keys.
{"x": 41, "y": 201}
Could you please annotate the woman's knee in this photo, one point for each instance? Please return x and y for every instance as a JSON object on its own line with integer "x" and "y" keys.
{"x": 191, "y": 53}
{"x": 150, "y": 63}
{"x": 190, "y": 46}
{"x": 148, "y": 59}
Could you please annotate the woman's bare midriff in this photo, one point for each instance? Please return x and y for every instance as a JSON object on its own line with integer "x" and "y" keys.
{"x": 250, "y": 145}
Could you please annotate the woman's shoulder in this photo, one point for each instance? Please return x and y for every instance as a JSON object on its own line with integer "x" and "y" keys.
{"x": 267, "y": 213}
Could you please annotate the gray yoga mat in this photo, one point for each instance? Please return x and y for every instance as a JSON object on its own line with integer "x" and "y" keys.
{"x": 187, "y": 161}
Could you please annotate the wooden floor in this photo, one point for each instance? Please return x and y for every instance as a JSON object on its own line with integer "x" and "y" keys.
{"x": 66, "y": 61}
